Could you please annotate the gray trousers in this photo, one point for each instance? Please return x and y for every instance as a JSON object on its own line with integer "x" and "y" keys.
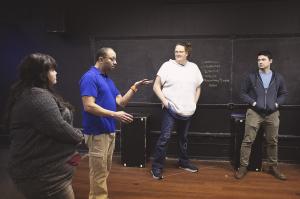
{"x": 270, "y": 124}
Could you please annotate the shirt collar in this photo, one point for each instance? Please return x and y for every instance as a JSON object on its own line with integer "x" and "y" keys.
{"x": 99, "y": 71}
{"x": 174, "y": 61}
{"x": 267, "y": 73}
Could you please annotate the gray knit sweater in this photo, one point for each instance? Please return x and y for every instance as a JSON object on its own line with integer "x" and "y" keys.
{"x": 42, "y": 141}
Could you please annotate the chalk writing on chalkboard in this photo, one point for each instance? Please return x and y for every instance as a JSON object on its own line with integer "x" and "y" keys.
{"x": 212, "y": 74}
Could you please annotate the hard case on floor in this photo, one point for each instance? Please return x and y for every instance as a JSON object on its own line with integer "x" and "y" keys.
{"x": 134, "y": 141}
{"x": 237, "y": 130}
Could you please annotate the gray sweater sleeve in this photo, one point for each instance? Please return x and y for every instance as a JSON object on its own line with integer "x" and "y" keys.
{"x": 48, "y": 119}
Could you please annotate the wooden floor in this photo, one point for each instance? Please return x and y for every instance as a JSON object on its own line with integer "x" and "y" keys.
{"x": 213, "y": 181}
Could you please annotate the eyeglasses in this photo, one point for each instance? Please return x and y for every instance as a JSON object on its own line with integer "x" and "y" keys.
{"x": 113, "y": 59}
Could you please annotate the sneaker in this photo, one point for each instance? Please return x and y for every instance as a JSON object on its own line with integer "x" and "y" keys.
{"x": 157, "y": 174}
{"x": 188, "y": 167}
{"x": 273, "y": 170}
{"x": 241, "y": 172}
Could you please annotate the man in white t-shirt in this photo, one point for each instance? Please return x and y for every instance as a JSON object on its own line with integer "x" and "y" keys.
{"x": 177, "y": 85}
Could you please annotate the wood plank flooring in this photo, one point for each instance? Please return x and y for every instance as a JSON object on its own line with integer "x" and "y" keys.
{"x": 213, "y": 181}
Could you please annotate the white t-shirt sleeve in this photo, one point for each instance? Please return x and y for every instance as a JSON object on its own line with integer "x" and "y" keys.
{"x": 199, "y": 75}
{"x": 162, "y": 73}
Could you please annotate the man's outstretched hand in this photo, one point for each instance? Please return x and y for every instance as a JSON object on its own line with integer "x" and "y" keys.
{"x": 123, "y": 116}
{"x": 143, "y": 82}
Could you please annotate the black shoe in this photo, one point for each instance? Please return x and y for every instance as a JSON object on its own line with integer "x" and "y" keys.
{"x": 188, "y": 167}
{"x": 157, "y": 174}
{"x": 241, "y": 172}
{"x": 273, "y": 170}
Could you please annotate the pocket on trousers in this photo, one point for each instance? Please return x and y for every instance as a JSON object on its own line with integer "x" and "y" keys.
{"x": 274, "y": 117}
{"x": 97, "y": 146}
{"x": 252, "y": 118}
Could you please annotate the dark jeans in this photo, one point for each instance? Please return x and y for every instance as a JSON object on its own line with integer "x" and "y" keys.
{"x": 168, "y": 123}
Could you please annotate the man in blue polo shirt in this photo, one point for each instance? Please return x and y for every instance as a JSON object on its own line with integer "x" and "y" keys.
{"x": 100, "y": 98}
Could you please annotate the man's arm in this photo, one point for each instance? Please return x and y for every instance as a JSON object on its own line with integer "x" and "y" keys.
{"x": 245, "y": 87}
{"x": 157, "y": 90}
{"x": 123, "y": 100}
{"x": 90, "y": 106}
{"x": 282, "y": 92}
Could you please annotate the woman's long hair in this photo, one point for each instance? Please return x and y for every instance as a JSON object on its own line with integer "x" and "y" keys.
{"x": 33, "y": 72}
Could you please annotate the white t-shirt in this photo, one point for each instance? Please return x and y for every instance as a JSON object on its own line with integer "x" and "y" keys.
{"x": 179, "y": 84}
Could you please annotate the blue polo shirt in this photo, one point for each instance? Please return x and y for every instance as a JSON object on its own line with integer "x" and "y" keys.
{"x": 98, "y": 85}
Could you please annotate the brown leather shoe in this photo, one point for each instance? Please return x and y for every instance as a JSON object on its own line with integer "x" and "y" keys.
{"x": 273, "y": 170}
{"x": 241, "y": 172}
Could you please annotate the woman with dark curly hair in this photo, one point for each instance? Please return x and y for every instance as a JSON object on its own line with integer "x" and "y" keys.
{"x": 43, "y": 152}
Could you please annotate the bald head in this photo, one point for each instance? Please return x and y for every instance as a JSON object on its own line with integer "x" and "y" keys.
{"x": 102, "y": 52}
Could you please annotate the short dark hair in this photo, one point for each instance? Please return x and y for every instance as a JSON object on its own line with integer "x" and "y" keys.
{"x": 265, "y": 53}
{"x": 101, "y": 52}
{"x": 187, "y": 47}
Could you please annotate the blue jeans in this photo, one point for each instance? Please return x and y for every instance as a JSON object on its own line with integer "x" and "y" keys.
{"x": 168, "y": 123}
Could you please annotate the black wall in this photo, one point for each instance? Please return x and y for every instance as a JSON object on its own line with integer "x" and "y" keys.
{"x": 226, "y": 36}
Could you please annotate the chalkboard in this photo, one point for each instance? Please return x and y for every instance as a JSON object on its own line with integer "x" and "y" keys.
{"x": 142, "y": 58}
{"x": 223, "y": 63}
